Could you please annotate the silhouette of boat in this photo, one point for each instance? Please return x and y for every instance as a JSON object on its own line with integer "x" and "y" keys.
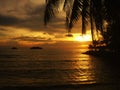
{"x": 36, "y": 48}
{"x": 14, "y": 48}
{"x": 69, "y": 35}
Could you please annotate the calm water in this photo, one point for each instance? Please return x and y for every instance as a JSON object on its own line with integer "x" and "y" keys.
{"x": 54, "y": 65}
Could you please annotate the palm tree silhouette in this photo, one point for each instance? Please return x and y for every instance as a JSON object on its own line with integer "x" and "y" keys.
{"x": 95, "y": 12}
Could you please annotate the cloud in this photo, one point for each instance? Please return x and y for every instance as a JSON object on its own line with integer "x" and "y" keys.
{"x": 2, "y": 34}
{"x": 8, "y": 20}
{"x": 28, "y": 15}
{"x": 2, "y": 29}
{"x": 28, "y": 38}
{"x": 33, "y": 18}
{"x": 22, "y": 20}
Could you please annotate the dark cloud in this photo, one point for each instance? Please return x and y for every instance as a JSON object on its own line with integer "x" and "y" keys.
{"x": 34, "y": 19}
{"x": 8, "y": 20}
{"x": 25, "y": 14}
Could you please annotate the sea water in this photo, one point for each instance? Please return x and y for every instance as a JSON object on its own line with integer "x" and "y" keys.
{"x": 55, "y": 64}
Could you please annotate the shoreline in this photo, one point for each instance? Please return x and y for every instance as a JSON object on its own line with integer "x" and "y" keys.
{"x": 102, "y": 53}
{"x": 66, "y": 87}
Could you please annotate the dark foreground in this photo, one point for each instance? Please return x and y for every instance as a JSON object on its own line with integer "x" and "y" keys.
{"x": 67, "y": 87}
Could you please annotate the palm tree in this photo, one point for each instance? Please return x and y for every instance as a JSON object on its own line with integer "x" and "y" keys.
{"x": 113, "y": 18}
{"x": 94, "y": 12}
{"x": 74, "y": 11}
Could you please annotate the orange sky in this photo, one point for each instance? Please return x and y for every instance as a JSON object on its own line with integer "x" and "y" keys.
{"x": 22, "y": 24}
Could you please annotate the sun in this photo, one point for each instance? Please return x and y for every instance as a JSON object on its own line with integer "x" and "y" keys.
{"x": 82, "y": 38}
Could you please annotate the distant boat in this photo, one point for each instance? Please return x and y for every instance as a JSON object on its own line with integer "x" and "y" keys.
{"x": 36, "y": 48}
{"x": 69, "y": 35}
{"x": 14, "y": 48}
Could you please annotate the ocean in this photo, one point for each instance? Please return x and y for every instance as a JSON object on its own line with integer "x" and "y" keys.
{"x": 55, "y": 65}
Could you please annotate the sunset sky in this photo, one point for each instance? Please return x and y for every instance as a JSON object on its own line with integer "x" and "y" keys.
{"x": 21, "y": 23}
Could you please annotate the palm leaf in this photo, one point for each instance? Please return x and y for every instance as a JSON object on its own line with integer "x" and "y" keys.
{"x": 50, "y": 10}
{"x": 85, "y": 14}
{"x": 98, "y": 14}
{"x": 76, "y": 12}
{"x": 91, "y": 20}
{"x": 68, "y": 9}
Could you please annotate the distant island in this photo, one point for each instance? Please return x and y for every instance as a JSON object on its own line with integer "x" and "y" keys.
{"x": 36, "y": 48}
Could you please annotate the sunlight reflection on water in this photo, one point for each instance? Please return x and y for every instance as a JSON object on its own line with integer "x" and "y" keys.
{"x": 85, "y": 74}
{"x": 52, "y": 67}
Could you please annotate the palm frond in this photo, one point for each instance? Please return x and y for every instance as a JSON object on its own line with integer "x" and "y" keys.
{"x": 98, "y": 14}
{"x": 76, "y": 12}
{"x": 91, "y": 20}
{"x": 67, "y": 4}
{"x": 85, "y": 14}
{"x": 50, "y": 10}
{"x": 46, "y": 1}
{"x": 68, "y": 9}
